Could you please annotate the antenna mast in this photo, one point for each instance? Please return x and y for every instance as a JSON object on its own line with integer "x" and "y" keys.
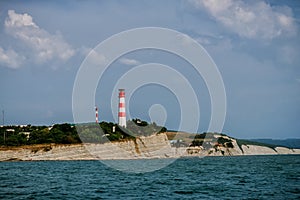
{"x": 3, "y": 117}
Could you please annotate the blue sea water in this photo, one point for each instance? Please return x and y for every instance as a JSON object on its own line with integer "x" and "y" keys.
{"x": 241, "y": 177}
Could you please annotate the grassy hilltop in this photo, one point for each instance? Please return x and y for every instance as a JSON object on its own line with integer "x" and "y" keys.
{"x": 71, "y": 134}
{"x": 90, "y": 133}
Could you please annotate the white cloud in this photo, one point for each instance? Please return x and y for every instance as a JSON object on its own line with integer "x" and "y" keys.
{"x": 19, "y": 20}
{"x": 94, "y": 57}
{"x": 203, "y": 40}
{"x": 127, "y": 61}
{"x": 184, "y": 39}
{"x": 251, "y": 19}
{"x": 9, "y": 58}
{"x": 43, "y": 46}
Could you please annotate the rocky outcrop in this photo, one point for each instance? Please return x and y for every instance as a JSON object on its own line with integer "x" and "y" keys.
{"x": 216, "y": 149}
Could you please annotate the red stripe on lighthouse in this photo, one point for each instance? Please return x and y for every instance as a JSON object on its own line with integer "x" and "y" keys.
{"x": 121, "y": 105}
{"x": 122, "y": 114}
{"x": 122, "y": 94}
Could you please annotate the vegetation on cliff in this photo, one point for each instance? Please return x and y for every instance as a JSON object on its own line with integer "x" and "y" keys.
{"x": 91, "y": 133}
{"x": 209, "y": 138}
{"x": 71, "y": 134}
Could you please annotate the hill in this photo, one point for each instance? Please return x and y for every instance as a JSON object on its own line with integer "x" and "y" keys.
{"x": 291, "y": 143}
{"x": 18, "y": 135}
{"x": 139, "y": 140}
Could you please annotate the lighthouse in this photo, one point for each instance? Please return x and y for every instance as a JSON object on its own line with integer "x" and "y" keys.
{"x": 96, "y": 112}
{"x": 122, "y": 113}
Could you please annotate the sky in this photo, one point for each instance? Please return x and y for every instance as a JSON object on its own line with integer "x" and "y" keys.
{"x": 254, "y": 44}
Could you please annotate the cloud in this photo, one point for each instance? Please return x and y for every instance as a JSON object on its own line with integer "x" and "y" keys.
{"x": 42, "y": 46}
{"x": 94, "y": 57}
{"x": 251, "y": 19}
{"x": 97, "y": 57}
{"x": 203, "y": 40}
{"x": 127, "y": 61}
{"x": 11, "y": 59}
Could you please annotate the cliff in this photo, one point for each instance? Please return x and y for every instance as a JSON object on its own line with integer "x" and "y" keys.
{"x": 156, "y": 146}
{"x": 236, "y": 149}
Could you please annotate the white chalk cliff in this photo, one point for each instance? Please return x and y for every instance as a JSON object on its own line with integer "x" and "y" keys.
{"x": 156, "y": 146}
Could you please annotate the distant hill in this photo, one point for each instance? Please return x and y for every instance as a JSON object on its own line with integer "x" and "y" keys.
{"x": 291, "y": 143}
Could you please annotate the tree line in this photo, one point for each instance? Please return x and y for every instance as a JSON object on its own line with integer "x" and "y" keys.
{"x": 70, "y": 134}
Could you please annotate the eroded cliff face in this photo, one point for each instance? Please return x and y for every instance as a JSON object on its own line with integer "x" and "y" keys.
{"x": 156, "y": 146}
{"x": 258, "y": 150}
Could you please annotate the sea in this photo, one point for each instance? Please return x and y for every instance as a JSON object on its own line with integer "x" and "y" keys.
{"x": 238, "y": 177}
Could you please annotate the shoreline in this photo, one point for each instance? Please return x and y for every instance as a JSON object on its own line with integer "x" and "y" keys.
{"x": 79, "y": 152}
{"x": 146, "y": 158}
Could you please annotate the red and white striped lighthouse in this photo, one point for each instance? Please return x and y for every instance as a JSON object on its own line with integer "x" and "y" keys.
{"x": 122, "y": 113}
{"x": 96, "y": 111}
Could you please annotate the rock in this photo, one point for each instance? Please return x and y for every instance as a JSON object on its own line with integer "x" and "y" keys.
{"x": 257, "y": 150}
